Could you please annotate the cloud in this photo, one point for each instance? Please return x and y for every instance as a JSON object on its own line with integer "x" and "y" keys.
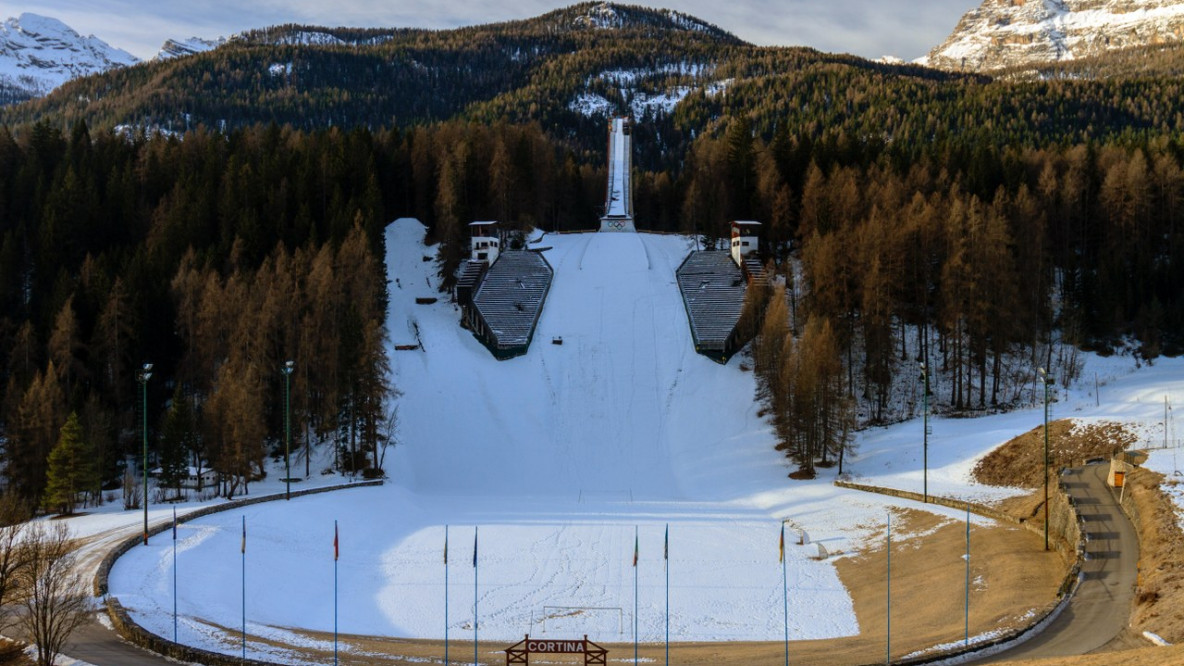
{"x": 907, "y": 29}
{"x": 869, "y": 28}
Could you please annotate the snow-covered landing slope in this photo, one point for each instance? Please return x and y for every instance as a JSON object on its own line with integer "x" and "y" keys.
{"x": 623, "y": 408}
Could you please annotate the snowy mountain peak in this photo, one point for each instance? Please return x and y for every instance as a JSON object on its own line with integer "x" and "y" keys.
{"x": 38, "y": 54}
{"x": 1012, "y": 33}
{"x": 38, "y": 26}
{"x": 178, "y": 48}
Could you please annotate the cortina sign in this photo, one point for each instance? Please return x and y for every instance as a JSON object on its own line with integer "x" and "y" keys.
{"x": 520, "y": 652}
{"x": 537, "y": 646}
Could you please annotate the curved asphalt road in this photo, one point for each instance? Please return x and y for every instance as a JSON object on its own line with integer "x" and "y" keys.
{"x": 1101, "y": 607}
{"x": 93, "y": 642}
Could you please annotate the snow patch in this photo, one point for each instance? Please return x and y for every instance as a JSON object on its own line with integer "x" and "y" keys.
{"x": 591, "y": 105}
{"x": 648, "y": 91}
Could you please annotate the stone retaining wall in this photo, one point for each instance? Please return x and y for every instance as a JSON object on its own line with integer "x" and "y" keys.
{"x": 127, "y": 628}
{"x": 1064, "y": 531}
{"x": 139, "y": 636}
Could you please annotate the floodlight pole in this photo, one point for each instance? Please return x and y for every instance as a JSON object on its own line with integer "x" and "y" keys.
{"x": 1047, "y": 381}
{"x": 287, "y": 370}
{"x": 925, "y": 426}
{"x": 143, "y": 376}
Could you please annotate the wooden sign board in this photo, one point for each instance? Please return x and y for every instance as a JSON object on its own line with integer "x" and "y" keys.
{"x": 520, "y": 652}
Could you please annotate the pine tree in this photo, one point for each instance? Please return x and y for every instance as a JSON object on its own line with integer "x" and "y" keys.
{"x": 178, "y": 437}
{"x": 71, "y": 469}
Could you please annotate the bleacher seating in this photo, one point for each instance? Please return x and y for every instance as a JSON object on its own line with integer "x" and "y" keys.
{"x": 712, "y": 289}
{"x": 510, "y": 299}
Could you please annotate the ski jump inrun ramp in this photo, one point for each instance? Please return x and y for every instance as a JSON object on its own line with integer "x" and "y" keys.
{"x": 618, "y": 202}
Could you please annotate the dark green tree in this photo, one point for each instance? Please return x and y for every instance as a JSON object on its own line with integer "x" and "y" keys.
{"x": 178, "y": 437}
{"x": 71, "y": 469}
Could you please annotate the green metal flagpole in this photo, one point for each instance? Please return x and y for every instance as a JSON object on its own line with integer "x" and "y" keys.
{"x": 925, "y": 430}
{"x": 446, "y": 594}
{"x": 666, "y": 563}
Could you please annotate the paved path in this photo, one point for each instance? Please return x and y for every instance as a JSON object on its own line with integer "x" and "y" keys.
{"x": 94, "y": 642}
{"x": 1101, "y": 608}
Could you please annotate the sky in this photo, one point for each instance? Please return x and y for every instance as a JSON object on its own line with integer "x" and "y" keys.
{"x": 906, "y": 29}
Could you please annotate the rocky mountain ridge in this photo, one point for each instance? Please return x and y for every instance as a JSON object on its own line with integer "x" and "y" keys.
{"x": 179, "y": 48}
{"x": 38, "y": 54}
{"x": 1002, "y": 34}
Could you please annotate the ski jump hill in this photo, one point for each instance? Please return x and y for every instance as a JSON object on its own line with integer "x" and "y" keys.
{"x": 618, "y": 201}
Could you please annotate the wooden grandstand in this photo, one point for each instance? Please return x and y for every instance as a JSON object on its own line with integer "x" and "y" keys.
{"x": 506, "y": 300}
{"x": 713, "y": 287}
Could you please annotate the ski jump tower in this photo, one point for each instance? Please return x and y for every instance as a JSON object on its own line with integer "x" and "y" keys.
{"x": 618, "y": 203}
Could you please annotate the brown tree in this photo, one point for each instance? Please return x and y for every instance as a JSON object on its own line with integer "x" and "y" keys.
{"x": 13, "y": 513}
{"x": 53, "y": 595}
{"x": 65, "y": 348}
{"x": 41, "y": 413}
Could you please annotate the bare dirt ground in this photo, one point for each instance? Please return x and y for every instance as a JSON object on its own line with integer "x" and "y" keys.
{"x": 1011, "y": 577}
{"x": 1020, "y": 462}
{"x": 12, "y": 653}
{"x": 1159, "y": 596}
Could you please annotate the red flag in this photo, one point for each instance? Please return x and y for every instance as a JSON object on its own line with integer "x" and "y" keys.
{"x": 174, "y": 523}
{"x": 335, "y": 551}
{"x": 635, "y": 546}
{"x": 445, "y": 544}
{"x": 244, "y": 547}
{"x": 781, "y": 548}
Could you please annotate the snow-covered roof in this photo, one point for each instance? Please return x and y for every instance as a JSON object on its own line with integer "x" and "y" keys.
{"x": 713, "y": 290}
{"x": 511, "y": 296}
